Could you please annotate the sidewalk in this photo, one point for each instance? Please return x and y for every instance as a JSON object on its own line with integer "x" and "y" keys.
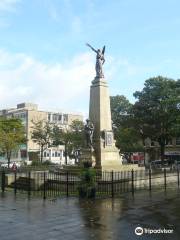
{"x": 71, "y": 219}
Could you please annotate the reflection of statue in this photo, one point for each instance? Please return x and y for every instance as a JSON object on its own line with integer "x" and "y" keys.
{"x": 99, "y": 60}
{"x": 89, "y": 130}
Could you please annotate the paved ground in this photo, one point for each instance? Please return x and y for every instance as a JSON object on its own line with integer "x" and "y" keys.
{"x": 71, "y": 219}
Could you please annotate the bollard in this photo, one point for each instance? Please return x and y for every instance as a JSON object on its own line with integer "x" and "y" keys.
{"x": 15, "y": 182}
{"x": 132, "y": 182}
{"x": 3, "y": 181}
{"x": 44, "y": 186}
{"x": 112, "y": 184}
{"x": 165, "y": 179}
{"x": 149, "y": 179}
{"x": 67, "y": 184}
{"x": 29, "y": 184}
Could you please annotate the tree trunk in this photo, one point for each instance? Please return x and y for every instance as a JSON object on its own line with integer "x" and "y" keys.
{"x": 65, "y": 154}
{"x": 41, "y": 154}
{"x": 162, "y": 148}
{"x": 9, "y": 159}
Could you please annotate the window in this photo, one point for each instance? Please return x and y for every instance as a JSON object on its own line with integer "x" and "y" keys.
{"x": 178, "y": 141}
{"x": 44, "y": 154}
{"x": 55, "y": 154}
{"x": 65, "y": 118}
{"x": 23, "y": 154}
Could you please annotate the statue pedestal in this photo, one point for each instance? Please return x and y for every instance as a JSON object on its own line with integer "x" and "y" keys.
{"x": 106, "y": 154}
{"x": 87, "y": 155}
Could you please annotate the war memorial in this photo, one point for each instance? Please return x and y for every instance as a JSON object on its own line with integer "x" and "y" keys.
{"x": 101, "y": 150}
{"x": 104, "y": 150}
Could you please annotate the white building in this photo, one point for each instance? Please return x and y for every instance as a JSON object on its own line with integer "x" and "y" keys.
{"x": 28, "y": 113}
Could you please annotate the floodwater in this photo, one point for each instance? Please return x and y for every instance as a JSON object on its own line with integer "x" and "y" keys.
{"x": 101, "y": 219}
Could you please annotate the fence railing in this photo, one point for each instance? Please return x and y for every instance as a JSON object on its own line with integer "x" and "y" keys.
{"x": 107, "y": 184}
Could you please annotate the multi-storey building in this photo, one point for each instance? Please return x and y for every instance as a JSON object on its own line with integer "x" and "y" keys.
{"x": 29, "y": 113}
{"x": 172, "y": 150}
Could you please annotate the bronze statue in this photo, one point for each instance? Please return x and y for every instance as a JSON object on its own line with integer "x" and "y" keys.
{"x": 100, "y": 60}
{"x": 89, "y": 130}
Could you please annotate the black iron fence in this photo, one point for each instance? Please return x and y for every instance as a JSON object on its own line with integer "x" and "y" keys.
{"x": 66, "y": 183}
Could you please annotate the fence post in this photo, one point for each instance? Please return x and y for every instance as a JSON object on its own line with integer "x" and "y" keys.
{"x": 112, "y": 183}
{"x": 165, "y": 178}
{"x": 15, "y": 184}
{"x": 44, "y": 186}
{"x": 3, "y": 181}
{"x": 67, "y": 184}
{"x": 29, "y": 184}
{"x": 132, "y": 182}
{"x": 149, "y": 179}
{"x": 178, "y": 176}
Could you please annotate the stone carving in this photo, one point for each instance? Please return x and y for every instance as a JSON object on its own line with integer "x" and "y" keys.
{"x": 89, "y": 130}
{"x": 100, "y": 60}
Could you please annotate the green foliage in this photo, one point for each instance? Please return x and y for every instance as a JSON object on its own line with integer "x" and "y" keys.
{"x": 120, "y": 109}
{"x": 88, "y": 183}
{"x": 47, "y": 163}
{"x": 127, "y": 138}
{"x": 42, "y": 135}
{"x": 72, "y": 138}
{"x": 35, "y": 163}
{"x": 77, "y": 134}
{"x": 155, "y": 112}
{"x": 12, "y": 135}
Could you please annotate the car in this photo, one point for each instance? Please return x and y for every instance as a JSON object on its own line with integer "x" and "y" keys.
{"x": 11, "y": 165}
{"x": 176, "y": 165}
{"x": 159, "y": 164}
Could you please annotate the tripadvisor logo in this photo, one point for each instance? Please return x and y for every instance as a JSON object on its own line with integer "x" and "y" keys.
{"x": 139, "y": 231}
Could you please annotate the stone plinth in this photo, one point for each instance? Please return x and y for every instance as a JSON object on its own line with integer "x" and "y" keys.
{"x": 87, "y": 155}
{"x": 107, "y": 155}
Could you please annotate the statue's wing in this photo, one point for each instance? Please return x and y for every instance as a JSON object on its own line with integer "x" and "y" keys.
{"x": 91, "y": 47}
{"x": 103, "y": 50}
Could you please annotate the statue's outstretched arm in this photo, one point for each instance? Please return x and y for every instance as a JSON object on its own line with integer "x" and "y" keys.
{"x": 91, "y": 47}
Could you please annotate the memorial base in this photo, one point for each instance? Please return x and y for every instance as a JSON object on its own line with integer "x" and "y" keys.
{"x": 87, "y": 155}
{"x": 109, "y": 159}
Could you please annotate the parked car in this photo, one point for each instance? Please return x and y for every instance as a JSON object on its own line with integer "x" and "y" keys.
{"x": 176, "y": 164}
{"x": 11, "y": 165}
{"x": 159, "y": 164}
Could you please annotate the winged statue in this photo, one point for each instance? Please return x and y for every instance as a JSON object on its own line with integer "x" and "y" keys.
{"x": 100, "y": 60}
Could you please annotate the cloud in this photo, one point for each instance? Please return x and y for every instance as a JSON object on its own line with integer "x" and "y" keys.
{"x": 62, "y": 85}
{"x": 8, "y": 5}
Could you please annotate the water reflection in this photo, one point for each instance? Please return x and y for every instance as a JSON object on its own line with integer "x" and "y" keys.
{"x": 98, "y": 217}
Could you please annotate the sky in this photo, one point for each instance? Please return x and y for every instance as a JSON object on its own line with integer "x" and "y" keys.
{"x": 44, "y": 59}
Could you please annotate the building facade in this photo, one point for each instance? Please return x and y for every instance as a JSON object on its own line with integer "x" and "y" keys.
{"x": 172, "y": 150}
{"x": 29, "y": 113}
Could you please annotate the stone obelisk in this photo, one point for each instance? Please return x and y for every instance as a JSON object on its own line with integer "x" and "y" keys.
{"x": 106, "y": 153}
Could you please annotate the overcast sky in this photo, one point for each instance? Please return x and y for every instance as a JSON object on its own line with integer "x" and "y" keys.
{"x": 43, "y": 57}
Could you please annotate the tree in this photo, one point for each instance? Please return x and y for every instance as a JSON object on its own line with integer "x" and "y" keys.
{"x": 120, "y": 109}
{"x": 155, "y": 111}
{"x": 126, "y": 136}
{"x": 42, "y": 135}
{"x": 12, "y": 135}
{"x": 72, "y": 138}
{"x": 77, "y": 129}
